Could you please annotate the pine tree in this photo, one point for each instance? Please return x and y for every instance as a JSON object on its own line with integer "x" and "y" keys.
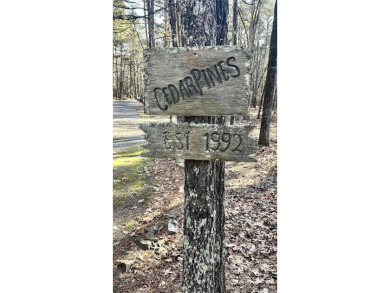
{"x": 204, "y": 212}
{"x": 269, "y": 86}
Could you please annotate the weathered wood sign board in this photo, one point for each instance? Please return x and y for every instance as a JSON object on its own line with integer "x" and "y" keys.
{"x": 202, "y": 81}
{"x": 199, "y": 141}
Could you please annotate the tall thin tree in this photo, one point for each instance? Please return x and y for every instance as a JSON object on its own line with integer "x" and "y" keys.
{"x": 204, "y": 213}
{"x": 172, "y": 21}
{"x": 234, "y": 39}
{"x": 235, "y": 12}
{"x": 146, "y": 10}
{"x": 269, "y": 85}
{"x": 150, "y": 7}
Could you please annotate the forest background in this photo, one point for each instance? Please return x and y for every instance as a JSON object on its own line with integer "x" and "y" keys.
{"x": 143, "y": 24}
{"x": 152, "y": 24}
{"x": 56, "y": 156}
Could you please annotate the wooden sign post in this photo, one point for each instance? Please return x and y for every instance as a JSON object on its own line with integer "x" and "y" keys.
{"x": 200, "y": 81}
{"x": 199, "y": 141}
{"x": 205, "y": 81}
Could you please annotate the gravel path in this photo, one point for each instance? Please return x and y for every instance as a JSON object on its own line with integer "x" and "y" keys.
{"x": 126, "y": 131}
{"x": 126, "y": 120}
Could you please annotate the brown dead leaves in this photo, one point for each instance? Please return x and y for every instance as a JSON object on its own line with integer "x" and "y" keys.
{"x": 250, "y": 229}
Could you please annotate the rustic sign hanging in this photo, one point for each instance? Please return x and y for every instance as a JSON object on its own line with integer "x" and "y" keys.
{"x": 201, "y": 81}
{"x": 199, "y": 141}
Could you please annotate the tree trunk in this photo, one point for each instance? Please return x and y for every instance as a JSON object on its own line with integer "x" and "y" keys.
{"x": 146, "y": 9}
{"x": 269, "y": 86}
{"x": 173, "y": 11}
{"x": 251, "y": 35}
{"x": 222, "y": 8}
{"x": 115, "y": 74}
{"x": 251, "y": 40}
{"x": 234, "y": 38}
{"x": 255, "y": 69}
{"x": 121, "y": 73}
{"x": 260, "y": 105}
{"x": 172, "y": 21}
{"x": 166, "y": 39}
{"x": 275, "y": 100}
{"x": 178, "y": 23}
{"x": 263, "y": 73}
{"x": 235, "y": 22}
{"x": 204, "y": 187}
{"x": 150, "y": 7}
{"x": 204, "y": 222}
{"x": 131, "y": 80}
{"x": 198, "y": 23}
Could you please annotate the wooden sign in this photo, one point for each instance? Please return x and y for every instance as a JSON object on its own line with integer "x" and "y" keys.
{"x": 201, "y": 81}
{"x": 199, "y": 141}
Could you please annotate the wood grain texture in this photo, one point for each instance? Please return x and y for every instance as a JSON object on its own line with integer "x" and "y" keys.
{"x": 219, "y": 88}
{"x": 199, "y": 141}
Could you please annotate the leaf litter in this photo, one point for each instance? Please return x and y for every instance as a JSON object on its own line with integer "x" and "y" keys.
{"x": 250, "y": 228}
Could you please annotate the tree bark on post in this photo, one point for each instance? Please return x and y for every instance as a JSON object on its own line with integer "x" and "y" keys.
{"x": 204, "y": 187}
{"x": 269, "y": 86}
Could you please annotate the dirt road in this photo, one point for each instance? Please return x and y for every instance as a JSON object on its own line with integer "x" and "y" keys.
{"x": 126, "y": 131}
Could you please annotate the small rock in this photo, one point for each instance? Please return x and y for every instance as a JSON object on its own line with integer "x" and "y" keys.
{"x": 117, "y": 272}
{"x": 181, "y": 190}
{"x": 259, "y": 281}
{"x": 172, "y": 226}
{"x": 264, "y": 267}
{"x": 124, "y": 265}
{"x": 162, "y": 251}
{"x": 171, "y": 216}
{"x": 149, "y": 231}
{"x": 143, "y": 244}
{"x": 180, "y": 162}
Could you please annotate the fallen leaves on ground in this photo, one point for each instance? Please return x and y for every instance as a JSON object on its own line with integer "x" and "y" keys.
{"x": 250, "y": 229}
